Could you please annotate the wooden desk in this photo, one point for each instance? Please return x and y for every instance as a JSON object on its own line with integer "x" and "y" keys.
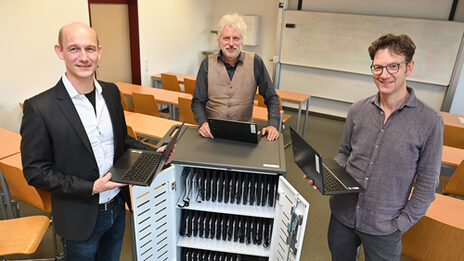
{"x": 301, "y": 99}
{"x": 171, "y": 98}
{"x": 452, "y": 156}
{"x": 161, "y": 96}
{"x": 439, "y": 235}
{"x": 288, "y": 96}
{"x": 156, "y": 78}
{"x": 452, "y": 119}
{"x": 149, "y": 126}
{"x": 10, "y": 143}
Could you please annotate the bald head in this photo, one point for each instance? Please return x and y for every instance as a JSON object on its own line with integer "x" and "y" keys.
{"x": 79, "y": 49}
{"x": 76, "y": 26}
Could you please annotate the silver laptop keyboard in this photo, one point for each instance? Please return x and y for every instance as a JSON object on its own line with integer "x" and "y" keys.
{"x": 331, "y": 182}
{"x": 144, "y": 166}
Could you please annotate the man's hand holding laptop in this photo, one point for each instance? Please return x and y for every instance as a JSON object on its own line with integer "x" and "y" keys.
{"x": 310, "y": 181}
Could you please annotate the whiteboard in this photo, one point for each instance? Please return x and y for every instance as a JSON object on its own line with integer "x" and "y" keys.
{"x": 334, "y": 91}
{"x": 339, "y": 42}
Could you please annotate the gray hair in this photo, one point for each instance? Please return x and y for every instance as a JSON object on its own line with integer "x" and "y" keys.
{"x": 233, "y": 20}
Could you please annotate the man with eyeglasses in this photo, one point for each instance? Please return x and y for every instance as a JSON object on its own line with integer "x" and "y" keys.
{"x": 390, "y": 139}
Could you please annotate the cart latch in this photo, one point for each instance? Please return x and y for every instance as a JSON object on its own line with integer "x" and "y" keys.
{"x": 292, "y": 230}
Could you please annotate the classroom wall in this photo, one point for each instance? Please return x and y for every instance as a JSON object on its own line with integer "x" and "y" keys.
{"x": 458, "y": 102}
{"x": 267, "y": 10}
{"x": 172, "y": 35}
{"x": 426, "y": 9}
{"x": 429, "y": 9}
{"x": 29, "y": 63}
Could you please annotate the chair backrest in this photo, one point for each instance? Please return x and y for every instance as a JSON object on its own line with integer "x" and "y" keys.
{"x": 131, "y": 132}
{"x": 189, "y": 85}
{"x": 261, "y": 101}
{"x": 185, "y": 111}
{"x": 170, "y": 82}
{"x": 453, "y": 136}
{"x": 11, "y": 168}
{"x": 455, "y": 185}
{"x": 146, "y": 104}
{"x": 124, "y": 104}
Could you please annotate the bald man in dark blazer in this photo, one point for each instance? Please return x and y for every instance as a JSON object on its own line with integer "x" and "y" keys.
{"x": 71, "y": 136}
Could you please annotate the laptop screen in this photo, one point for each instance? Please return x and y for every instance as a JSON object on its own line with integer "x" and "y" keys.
{"x": 234, "y": 130}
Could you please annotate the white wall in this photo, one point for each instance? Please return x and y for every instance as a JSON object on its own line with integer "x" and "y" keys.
{"x": 267, "y": 10}
{"x": 431, "y": 9}
{"x": 457, "y": 106}
{"x": 426, "y": 9}
{"x": 29, "y": 64}
{"x": 172, "y": 35}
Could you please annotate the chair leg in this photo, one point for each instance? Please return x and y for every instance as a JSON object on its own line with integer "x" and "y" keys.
{"x": 58, "y": 256}
{"x": 6, "y": 194}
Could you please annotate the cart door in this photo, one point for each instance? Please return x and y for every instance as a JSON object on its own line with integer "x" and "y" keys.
{"x": 289, "y": 223}
{"x": 153, "y": 230}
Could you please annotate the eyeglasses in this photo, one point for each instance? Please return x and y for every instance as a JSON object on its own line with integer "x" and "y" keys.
{"x": 391, "y": 68}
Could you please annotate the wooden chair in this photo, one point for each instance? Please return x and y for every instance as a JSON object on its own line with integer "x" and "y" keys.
{"x": 11, "y": 167}
{"x": 185, "y": 111}
{"x": 22, "y": 235}
{"x": 131, "y": 132}
{"x": 454, "y": 185}
{"x": 170, "y": 82}
{"x": 124, "y": 104}
{"x": 439, "y": 235}
{"x": 189, "y": 85}
{"x": 453, "y": 136}
{"x": 146, "y": 104}
{"x": 285, "y": 117}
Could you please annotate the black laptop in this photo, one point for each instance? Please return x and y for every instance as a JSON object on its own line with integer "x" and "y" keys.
{"x": 329, "y": 177}
{"x": 139, "y": 167}
{"x": 234, "y": 130}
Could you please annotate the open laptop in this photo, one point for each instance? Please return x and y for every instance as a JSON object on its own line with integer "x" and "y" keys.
{"x": 234, "y": 130}
{"x": 138, "y": 167}
{"x": 329, "y": 177}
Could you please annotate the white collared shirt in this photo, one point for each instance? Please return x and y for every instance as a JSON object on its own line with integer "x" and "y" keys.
{"x": 99, "y": 130}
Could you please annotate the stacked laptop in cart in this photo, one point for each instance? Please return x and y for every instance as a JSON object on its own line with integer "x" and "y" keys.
{"x": 220, "y": 200}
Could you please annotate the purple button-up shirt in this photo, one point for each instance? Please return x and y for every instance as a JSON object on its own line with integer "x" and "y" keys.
{"x": 385, "y": 158}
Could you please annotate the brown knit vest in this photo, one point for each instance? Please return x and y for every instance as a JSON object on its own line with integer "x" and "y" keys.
{"x": 231, "y": 99}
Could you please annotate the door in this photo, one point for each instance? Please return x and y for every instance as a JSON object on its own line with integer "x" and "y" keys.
{"x": 289, "y": 223}
{"x": 116, "y": 22}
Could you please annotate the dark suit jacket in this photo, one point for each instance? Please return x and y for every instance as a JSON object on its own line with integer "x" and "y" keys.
{"x": 57, "y": 156}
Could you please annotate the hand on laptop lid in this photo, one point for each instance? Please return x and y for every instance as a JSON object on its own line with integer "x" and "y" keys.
{"x": 272, "y": 133}
{"x": 205, "y": 131}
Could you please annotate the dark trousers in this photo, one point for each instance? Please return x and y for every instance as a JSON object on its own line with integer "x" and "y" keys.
{"x": 105, "y": 243}
{"x": 344, "y": 242}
